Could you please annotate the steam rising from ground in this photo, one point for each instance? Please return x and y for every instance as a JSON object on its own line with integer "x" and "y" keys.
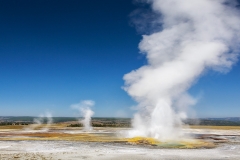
{"x": 84, "y": 107}
{"x": 42, "y": 119}
{"x": 195, "y": 36}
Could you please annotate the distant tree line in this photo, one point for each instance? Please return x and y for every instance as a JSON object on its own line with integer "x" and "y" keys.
{"x": 218, "y": 123}
{"x": 13, "y": 123}
{"x": 75, "y": 125}
{"x": 111, "y": 125}
{"x": 101, "y": 125}
{"x": 209, "y": 122}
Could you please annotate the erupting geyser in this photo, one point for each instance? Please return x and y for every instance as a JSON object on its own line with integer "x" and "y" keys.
{"x": 195, "y": 36}
{"x": 84, "y": 108}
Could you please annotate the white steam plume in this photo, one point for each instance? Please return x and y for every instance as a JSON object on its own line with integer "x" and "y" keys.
{"x": 84, "y": 107}
{"x": 196, "y": 35}
{"x": 40, "y": 120}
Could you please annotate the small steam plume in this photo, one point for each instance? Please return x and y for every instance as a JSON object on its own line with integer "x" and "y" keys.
{"x": 42, "y": 119}
{"x": 194, "y": 36}
{"x": 84, "y": 107}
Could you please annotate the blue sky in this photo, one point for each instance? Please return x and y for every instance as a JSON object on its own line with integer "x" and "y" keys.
{"x": 59, "y": 52}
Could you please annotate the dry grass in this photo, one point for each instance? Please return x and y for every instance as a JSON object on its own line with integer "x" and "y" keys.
{"x": 35, "y": 126}
{"x": 11, "y": 127}
{"x": 216, "y": 127}
{"x": 84, "y": 137}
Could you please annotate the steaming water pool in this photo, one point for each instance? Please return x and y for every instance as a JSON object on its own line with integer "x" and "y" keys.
{"x": 104, "y": 143}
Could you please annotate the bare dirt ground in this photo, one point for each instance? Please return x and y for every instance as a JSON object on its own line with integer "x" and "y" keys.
{"x": 34, "y": 145}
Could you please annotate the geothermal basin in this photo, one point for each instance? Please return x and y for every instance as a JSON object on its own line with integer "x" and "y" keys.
{"x": 61, "y": 142}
